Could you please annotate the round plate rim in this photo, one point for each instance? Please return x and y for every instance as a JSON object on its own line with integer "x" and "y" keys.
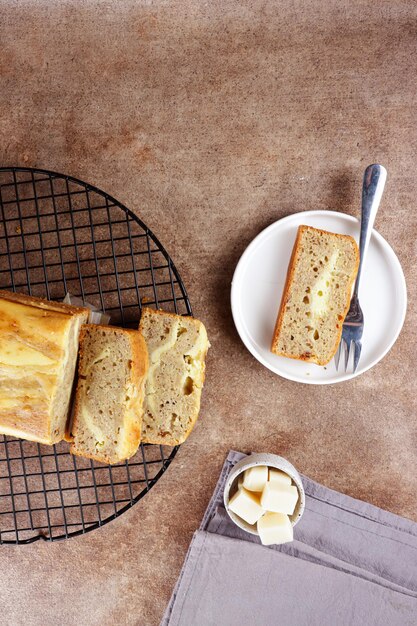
{"x": 235, "y": 287}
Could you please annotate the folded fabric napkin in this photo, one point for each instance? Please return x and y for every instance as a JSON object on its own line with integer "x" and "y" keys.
{"x": 350, "y": 563}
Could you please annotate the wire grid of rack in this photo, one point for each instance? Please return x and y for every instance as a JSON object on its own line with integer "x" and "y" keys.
{"x": 59, "y": 235}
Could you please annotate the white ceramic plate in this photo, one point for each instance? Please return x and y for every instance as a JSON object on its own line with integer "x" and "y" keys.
{"x": 259, "y": 280}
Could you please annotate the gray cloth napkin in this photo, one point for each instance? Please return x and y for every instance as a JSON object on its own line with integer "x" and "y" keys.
{"x": 350, "y": 564}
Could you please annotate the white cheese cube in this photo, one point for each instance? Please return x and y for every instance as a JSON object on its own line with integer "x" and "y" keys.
{"x": 279, "y": 498}
{"x": 246, "y": 505}
{"x": 254, "y": 478}
{"x": 276, "y": 476}
{"x": 274, "y": 528}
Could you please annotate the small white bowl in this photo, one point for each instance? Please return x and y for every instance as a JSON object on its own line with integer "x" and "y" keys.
{"x": 271, "y": 460}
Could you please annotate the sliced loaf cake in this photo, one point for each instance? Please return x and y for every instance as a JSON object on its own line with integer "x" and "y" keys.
{"x": 38, "y": 356}
{"x": 177, "y": 348}
{"x": 316, "y": 296}
{"x": 107, "y": 416}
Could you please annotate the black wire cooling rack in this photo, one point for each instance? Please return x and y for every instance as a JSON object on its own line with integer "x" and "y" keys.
{"x": 59, "y": 235}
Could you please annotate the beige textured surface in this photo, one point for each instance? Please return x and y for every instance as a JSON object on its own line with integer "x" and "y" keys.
{"x": 212, "y": 120}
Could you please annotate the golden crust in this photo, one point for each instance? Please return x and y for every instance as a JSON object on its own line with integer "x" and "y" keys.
{"x": 31, "y": 417}
{"x": 290, "y": 274}
{"x": 138, "y": 371}
{"x": 285, "y": 293}
{"x": 140, "y": 354}
{"x": 41, "y": 303}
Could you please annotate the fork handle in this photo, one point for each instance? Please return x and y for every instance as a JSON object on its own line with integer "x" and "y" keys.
{"x": 373, "y": 186}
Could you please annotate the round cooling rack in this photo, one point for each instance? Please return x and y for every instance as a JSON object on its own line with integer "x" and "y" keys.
{"x": 59, "y": 235}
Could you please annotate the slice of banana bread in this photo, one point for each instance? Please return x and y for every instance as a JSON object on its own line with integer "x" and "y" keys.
{"x": 316, "y": 296}
{"x": 108, "y": 409}
{"x": 177, "y": 348}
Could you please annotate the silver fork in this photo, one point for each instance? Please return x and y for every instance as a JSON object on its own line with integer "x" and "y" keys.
{"x": 373, "y": 186}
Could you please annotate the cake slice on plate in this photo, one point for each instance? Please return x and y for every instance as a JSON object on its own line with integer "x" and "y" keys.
{"x": 316, "y": 296}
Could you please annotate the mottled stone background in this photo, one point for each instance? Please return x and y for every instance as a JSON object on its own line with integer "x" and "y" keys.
{"x": 211, "y": 120}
